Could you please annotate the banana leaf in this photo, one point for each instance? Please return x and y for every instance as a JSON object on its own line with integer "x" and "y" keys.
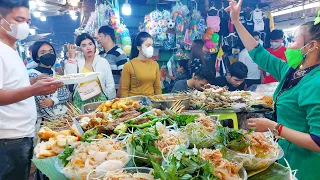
{"x": 273, "y": 172}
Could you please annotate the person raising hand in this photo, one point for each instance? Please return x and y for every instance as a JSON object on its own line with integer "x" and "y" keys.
{"x": 297, "y": 98}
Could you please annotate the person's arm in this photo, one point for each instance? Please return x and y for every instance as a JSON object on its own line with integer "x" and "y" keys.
{"x": 110, "y": 86}
{"x": 259, "y": 55}
{"x": 125, "y": 81}
{"x": 41, "y": 87}
{"x": 119, "y": 88}
{"x": 156, "y": 84}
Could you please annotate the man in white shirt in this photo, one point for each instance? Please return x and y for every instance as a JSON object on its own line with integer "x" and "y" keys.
{"x": 17, "y": 105}
{"x": 254, "y": 73}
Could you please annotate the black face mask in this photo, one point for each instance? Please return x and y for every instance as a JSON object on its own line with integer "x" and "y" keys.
{"x": 48, "y": 59}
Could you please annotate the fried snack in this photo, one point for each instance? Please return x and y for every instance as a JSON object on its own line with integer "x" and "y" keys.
{"x": 46, "y": 133}
{"x": 268, "y": 100}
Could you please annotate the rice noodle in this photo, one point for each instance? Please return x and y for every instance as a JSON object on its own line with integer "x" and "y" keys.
{"x": 122, "y": 175}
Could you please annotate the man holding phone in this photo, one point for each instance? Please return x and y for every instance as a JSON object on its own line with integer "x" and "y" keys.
{"x": 18, "y": 112}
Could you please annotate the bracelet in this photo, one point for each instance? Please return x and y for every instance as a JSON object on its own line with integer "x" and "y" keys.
{"x": 280, "y": 130}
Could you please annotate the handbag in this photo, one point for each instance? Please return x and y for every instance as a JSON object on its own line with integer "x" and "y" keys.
{"x": 89, "y": 90}
{"x": 135, "y": 74}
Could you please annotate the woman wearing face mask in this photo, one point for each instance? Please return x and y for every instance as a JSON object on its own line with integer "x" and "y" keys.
{"x": 297, "y": 98}
{"x": 44, "y": 54}
{"x": 103, "y": 87}
{"x": 276, "y": 49}
{"x": 140, "y": 76}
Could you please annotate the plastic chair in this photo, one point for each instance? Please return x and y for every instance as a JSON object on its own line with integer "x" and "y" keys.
{"x": 226, "y": 116}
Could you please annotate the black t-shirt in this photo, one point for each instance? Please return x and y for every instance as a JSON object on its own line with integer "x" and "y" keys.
{"x": 222, "y": 82}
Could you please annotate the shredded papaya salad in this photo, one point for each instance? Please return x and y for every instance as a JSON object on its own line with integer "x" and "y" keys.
{"x": 254, "y": 149}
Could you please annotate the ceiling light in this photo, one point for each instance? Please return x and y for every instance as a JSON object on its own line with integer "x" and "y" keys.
{"x": 43, "y": 18}
{"x": 74, "y": 2}
{"x": 32, "y": 4}
{"x": 42, "y": 8}
{"x": 295, "y": 9}
{"x": 37, "y": 14}
{"x": 126, "y": 8}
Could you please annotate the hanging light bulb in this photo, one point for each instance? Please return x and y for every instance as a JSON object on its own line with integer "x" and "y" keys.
{"x": 126, "y": 8}
{"x": 43, "y": 18}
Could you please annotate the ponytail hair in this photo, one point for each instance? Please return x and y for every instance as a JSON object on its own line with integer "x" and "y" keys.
{"x": 138, "y": 41}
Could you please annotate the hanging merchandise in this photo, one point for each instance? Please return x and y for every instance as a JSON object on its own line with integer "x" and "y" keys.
{"x": 213, "y": 21}
{"x": 211, "y": 40}
{"x": 126, "y": 41}
{"x": 257, "y": 15}
{"x": 270, "y": 17}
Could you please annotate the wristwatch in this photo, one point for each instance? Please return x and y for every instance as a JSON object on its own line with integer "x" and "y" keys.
{"x": 277, "y": 130}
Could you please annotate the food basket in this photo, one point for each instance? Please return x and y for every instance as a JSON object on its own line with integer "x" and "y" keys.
{"x": 131, "y": 170}
{"x": 164, "y": 101}
{"x": 91, "y": 107}
{"x": 250, "y": 162}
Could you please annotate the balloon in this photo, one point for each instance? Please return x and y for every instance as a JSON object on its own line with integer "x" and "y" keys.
{"x": 209, "y": 44}
{"x": 206, "y": 37}
{"x": 215, "y": 38}
{"x": 209, "y": 31}
{"x": 126, "y": 41}
{"x": 127, "y": 49}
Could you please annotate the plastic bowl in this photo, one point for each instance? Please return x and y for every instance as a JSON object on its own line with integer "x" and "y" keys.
{"x": 75, "y": 175}
{"x": 131, "y": 170}
{"x": 242, "y": 172}
{"x": 250, "y": 162}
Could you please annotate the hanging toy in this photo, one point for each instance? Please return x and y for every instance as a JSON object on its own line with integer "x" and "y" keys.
{"x": 215, "y": 38}
{"x": 214, "y": 23}
{"x": 179, "y": 23}
{"x": 171, "y": 24}
{"x": 166, "y": 14}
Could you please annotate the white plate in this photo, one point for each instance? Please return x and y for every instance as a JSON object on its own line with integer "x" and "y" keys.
{"x": 78, "y": 78}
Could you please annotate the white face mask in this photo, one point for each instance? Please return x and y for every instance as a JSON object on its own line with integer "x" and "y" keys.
{"x": 148, "y": 52}
{"x": 275, "y": 45}
{"x": 18, "y": 31}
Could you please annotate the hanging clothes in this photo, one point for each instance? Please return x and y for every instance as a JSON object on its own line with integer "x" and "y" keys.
{"x": 249, "y": 21}
{"x": 267, "y": 32}
{"x": 270, "y": 17}
{"x": 257, "y": 15}
{"x": 224, "y": 24}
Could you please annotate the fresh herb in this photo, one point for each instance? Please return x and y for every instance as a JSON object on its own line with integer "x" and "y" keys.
{"x": 66, "y": 154}
{"x": 184, "y": 165}
{"x": 89, "y": 135}
{"x": 143, "y": 141}
{"x": 184, "y": 119}
{"x": 233, "y": 139}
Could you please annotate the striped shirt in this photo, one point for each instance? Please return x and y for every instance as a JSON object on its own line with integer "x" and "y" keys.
{"x": 116, "y": 58}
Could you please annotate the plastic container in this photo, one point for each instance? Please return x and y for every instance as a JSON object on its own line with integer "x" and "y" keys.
{"x": 250, "y": 162}
{"x": 242, "y": 172}
{"x": 131, "y": 170}
{"x": 76, "y": 176}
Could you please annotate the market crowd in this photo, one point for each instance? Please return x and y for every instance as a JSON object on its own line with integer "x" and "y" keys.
{"x": 28, "y": 92}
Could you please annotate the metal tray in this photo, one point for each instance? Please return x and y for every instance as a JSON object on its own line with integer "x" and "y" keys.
{"x": 163, "y": 104}
{"x": 91, "y": 107}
